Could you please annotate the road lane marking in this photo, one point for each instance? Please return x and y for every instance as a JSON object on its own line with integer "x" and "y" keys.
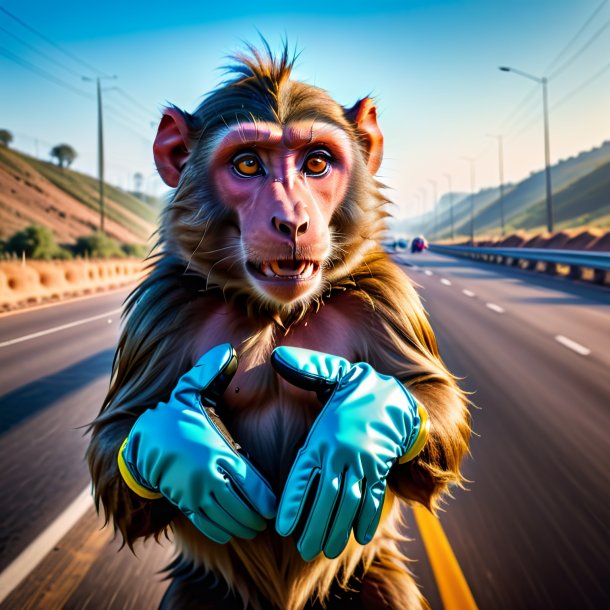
{"x": 452, "y": 586}
{"x": 575, "y": 347}
{"x": 446, "y": 282}
{"x": 495, "y": 307}
{"x": 428, "y": 272}
{"x": 468, "y": 293}
{"x": 24, "y": 564}
{"x": 56, "y": 329}
{"x": 66, "y": 301}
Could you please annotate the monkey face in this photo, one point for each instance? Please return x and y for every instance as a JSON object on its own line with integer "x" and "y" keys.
{"x": 283, "y": 185}
{"x": 277, "y": 206}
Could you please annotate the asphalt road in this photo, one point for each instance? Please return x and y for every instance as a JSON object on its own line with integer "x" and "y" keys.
{"x": 531, "y": 531}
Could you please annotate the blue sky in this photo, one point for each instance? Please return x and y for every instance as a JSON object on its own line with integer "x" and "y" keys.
{"x": 432, "y": 67}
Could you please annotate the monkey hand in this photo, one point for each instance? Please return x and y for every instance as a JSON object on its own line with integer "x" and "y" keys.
{"x": 178, "y": 450}
{"x": 368, "y": 422}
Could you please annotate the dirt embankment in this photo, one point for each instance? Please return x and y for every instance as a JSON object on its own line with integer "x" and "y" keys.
{"x": 23, "y": 285}
{"x": 28, "y": 197}
{"x": 597, "y": 240}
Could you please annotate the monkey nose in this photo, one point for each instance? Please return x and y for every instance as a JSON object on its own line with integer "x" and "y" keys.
{"x": 291, "y": 229}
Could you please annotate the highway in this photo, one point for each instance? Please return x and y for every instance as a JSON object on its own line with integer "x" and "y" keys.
{"x": 531, "y": 531}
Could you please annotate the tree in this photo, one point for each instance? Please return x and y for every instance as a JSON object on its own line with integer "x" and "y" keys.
{"x": 38, "y": 242}
{"x": 6, "y": 137}
{"x": 99, "y": 245}
{"x": 64, "y": 154}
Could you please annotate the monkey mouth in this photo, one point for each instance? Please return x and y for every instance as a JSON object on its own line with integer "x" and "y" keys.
{"x": 286, "y": 269}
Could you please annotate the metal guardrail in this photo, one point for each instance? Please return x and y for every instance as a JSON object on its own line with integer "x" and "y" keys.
{"x": 573, "y": 258}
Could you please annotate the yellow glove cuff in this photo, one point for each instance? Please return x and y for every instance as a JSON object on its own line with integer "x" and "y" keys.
{"x": 422, "y": 437}
{"x": 131, "y": 482}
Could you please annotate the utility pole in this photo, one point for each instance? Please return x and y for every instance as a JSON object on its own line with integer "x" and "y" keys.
{"x": 547, "y": 155}
{"x": 424, "y": 204}
{"x": 471, "y": 160}
{"x": 100, "y": 148}
{"x": 450, "y": 203}
{"x": 434, "y": 202}
{"x": 501, "y": 168}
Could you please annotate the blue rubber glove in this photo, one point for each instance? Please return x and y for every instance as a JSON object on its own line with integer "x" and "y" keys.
{"x": 368, "y": 422}
{"x": 181, "y": 450}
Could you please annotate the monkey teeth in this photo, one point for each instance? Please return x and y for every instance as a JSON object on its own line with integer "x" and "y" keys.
{"x": 287, "y": 269}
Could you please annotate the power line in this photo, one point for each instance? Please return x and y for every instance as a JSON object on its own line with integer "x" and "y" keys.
{"x": 512, "y": 117}
{"x": 575, "y": 37}
{"x": 120, "y": 123}
{"x": 53, "y": 43}
{"x": 580, "y": 51}
{"x": 33, "y": 48}
{"x": 124, "y": 107}
{"x": 42, "y": 73}
{"x": 527, "y": 100}
{"x": 128, "y": 97}
{"x": 119, "y": 112}
{"x": 578, "y": 89}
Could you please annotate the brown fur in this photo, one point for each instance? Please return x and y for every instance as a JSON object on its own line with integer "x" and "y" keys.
{"x": 196, "y": 296}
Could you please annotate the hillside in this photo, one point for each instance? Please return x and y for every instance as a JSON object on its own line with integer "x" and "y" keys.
{"x": 581, "y": 197}
{"x": 37, "y": 192}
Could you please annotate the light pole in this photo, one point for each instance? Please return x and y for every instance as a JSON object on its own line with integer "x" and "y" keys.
{"x": 424, "y": 204}
{"x": 471, "y": 161}
{"x": 435, "y": 230}
{"x": 100, "y": 146}
{"x": 450, "y": 203}
{"x": 547, "y": 162}
{"x": 501, "y": 168}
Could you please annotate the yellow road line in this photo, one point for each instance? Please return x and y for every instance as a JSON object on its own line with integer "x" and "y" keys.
{"x": 452, "y": 586}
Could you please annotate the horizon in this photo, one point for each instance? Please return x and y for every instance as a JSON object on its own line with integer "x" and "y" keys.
{"x": 431, "y": 66}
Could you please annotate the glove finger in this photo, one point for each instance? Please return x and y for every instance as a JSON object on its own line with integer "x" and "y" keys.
{"x": 223, "y": 516}
{"x": 319, "y": 519}
{"x": 209, "y": 528}
{"x": 308, "y": 369}
{"x": 212, "y": 374}
{"x": 299, "y": 483}
{"x": 251, "y": 486}
{"x": 346, "y": 512}
{"x": 239, "y": 507}
{"x": 370, "y": 512}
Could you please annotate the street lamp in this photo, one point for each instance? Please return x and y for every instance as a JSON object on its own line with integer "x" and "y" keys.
{"x": 435, "y": 230}
{"x": 501, "y": 168}
{"x": 547, "y": 163}
{"x": 100, "y": 145}
{"x": 471, "y": 161}
{"x": 450, "y": 203}
{"x": 424, "y": 204}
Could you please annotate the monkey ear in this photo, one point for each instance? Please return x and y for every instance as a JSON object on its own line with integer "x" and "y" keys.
{"x": 171, "y": 146}
{"x": 364, "y": 115}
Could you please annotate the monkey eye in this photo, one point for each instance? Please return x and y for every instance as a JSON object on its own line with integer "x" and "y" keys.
{"x": 317, "y": 163}
{"x": 247, "y": 165}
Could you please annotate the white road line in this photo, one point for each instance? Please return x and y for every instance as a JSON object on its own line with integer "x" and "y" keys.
{"x": 24, "y": 564}
{"x": 58, "y": 328}
{"x": 576, "y": 347}
{"x": 428, "y": 272}
{"x": 495, "y": 307}
{"x": 468, "y": 293}
{"x": 66, "y": 301}
{"x": 446, "y": 282}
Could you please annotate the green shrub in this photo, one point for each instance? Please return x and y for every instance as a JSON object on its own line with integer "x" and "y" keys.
{"x": 135, "y": 250}
{"x": 98, "y": 245}
{"x": 38, "y": 242}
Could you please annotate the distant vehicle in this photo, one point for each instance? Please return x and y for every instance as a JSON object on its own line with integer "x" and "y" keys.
{"x": 418, "y": 244}
{"x": 395, "y": 244}
{"x": 401, "y": 244}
